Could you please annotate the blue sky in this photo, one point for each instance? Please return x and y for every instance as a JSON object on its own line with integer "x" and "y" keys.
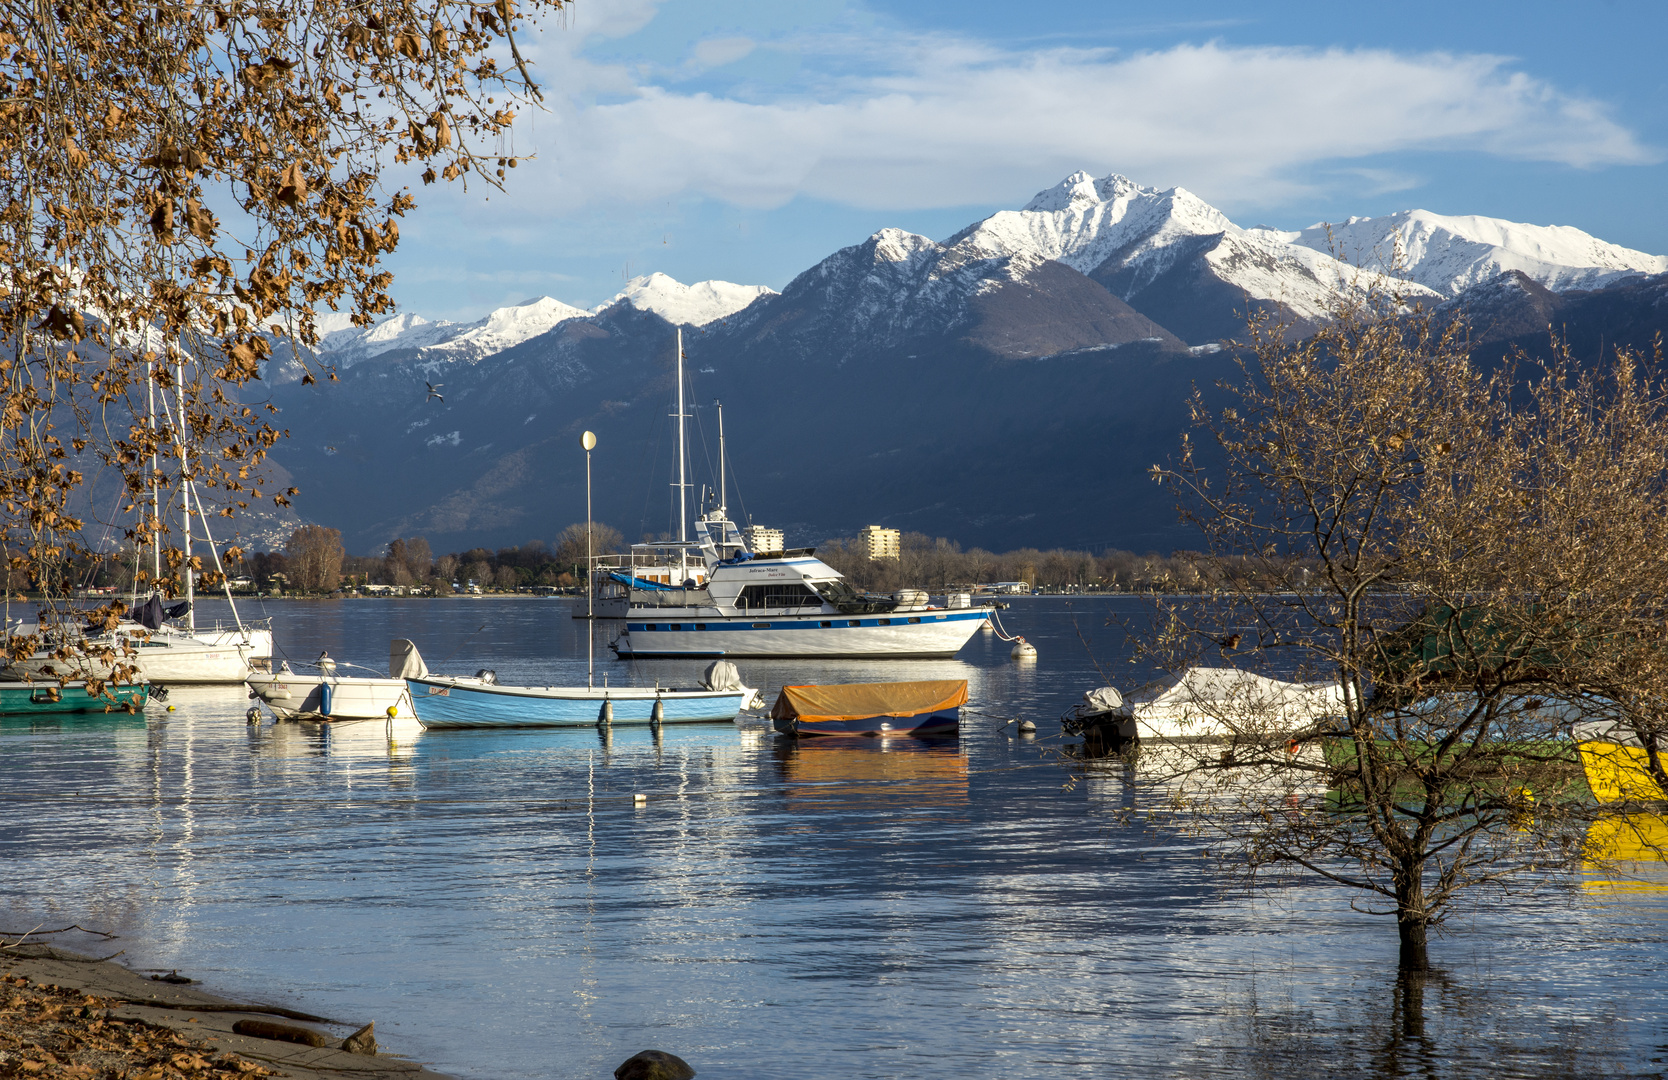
{"x": 746, "y": 139}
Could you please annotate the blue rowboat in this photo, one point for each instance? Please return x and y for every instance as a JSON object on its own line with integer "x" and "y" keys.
{"x": 52, "y": 699}
{"x": 898, "y": 708}
{"x": 476, "y": 703}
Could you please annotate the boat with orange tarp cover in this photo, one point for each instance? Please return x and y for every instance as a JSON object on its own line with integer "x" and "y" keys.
{"x": 897, "y": 708}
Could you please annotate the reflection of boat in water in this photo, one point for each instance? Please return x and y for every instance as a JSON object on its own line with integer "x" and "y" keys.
{"x": 913, "y": 772}
{"x": 873, "y": 709}
{"x": 1627, "y": 853}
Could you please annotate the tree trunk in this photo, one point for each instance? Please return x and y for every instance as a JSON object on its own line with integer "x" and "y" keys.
{"x": 1653, "y": 758}
{"x": 1411, "y": 918}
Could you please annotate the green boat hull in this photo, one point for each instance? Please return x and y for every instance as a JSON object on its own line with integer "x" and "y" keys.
{"x": 50, "y": 699}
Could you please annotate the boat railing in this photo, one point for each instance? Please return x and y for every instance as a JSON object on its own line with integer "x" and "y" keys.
{"x": 288, "y": 667}
{"x": 220, "y": 627}
{"x": 670, "y": 598}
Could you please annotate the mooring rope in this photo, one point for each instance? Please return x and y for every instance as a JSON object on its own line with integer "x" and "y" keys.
{"x": 1001, "y": 632}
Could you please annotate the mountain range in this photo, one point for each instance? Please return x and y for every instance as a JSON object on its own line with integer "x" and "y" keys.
{"x": 1009, "y": 385}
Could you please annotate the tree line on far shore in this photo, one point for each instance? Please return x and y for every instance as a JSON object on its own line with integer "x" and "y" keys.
{"x": 314, "y": 562}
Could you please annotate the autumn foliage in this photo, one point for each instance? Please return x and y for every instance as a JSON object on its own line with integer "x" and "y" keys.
{"x": 186, "y": 187}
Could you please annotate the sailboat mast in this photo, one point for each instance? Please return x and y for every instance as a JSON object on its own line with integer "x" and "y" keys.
{"x": 723, "y": 503}
{"x": 185, "y": 499}
{"x": 683, "y": 482}
{"x": 156, "y": 489}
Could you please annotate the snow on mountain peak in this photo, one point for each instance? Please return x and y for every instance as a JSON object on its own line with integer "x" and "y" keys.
{"x": 509, "y": 326}
{"x": 502, "y": 329}
{"x": 687, "y": 305}
{"x": 1452, "y": 253}
{"x": 1082, "y": 222}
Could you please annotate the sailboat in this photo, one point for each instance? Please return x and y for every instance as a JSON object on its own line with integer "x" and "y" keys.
{"x": 731, "y": 602}
{"x": 164, "y": 642}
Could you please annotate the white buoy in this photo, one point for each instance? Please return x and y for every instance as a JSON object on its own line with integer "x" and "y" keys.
{"x": 253, "y": 715}
{"x": 1027, "y": 727}
{"x": 639, "y": 798}
{"x": 1023, "y": 650}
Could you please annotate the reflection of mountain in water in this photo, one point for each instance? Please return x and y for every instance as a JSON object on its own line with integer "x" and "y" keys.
{"x": 890, "y": 774}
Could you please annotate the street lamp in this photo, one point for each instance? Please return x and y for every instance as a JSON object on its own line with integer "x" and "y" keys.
{"x": 589, "y": 441}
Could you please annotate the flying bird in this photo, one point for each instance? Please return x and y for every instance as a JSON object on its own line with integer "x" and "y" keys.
{"x": 434, "y": 392}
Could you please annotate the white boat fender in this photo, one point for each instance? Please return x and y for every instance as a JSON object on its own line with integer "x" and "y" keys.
{"x": 605, "y": 715}
{"x": 658, "y": 716}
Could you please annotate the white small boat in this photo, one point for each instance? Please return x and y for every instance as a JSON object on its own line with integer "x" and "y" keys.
{"x": 327, "y": 695}
{"x": 1207, "y": 703}
{"x": 480, "y": 702}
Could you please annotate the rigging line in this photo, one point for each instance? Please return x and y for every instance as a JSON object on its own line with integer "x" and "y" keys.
{"x": 93, "y": 566}
{"x": 706, "y": 452}
{"x": 650, "y": 452}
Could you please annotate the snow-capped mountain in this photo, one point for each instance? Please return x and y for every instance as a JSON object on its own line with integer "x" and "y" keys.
{"x": 899, "y": 288}
{"x": 686, "y": 305}
{"x": 1146, "y": 245}
{"x": 1451, "y": 254}
{"x": 445, "y": 340}
{"x": 1007, "y": 385}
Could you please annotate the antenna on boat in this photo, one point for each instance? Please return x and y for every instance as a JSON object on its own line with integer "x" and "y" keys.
{"x": 589, "y": 442}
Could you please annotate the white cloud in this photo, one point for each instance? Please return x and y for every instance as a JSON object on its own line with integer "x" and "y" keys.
{"x": 939, "y": 121}
{"x": 717, "y": 52}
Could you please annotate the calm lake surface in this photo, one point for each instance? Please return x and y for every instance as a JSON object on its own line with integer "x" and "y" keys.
{"x": 501, "y": 907}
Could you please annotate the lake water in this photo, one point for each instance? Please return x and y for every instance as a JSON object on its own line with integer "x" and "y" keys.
{"x": 502, "y": 908}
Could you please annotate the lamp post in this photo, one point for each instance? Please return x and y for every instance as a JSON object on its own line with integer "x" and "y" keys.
{"x": 589, "y": 441}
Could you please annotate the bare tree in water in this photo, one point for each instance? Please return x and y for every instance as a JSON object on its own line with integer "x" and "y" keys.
{"x": 1475, "y": 558}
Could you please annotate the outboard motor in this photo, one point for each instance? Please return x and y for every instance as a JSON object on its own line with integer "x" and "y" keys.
{"x": 1105, "y": 721}
{"x": 487, "y": 676}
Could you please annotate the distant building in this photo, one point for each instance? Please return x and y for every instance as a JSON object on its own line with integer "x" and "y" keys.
{"x": 880, "y": 543}
{"x": 763, "y": 541}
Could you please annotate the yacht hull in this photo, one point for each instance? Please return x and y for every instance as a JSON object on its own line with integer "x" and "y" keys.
{"x": 209, "y": 658}
{"x": 465, "y": 703}
{"x": 900, "y": 635}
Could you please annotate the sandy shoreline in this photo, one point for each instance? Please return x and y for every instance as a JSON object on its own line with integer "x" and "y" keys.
{"x": 64, "y": 1014}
